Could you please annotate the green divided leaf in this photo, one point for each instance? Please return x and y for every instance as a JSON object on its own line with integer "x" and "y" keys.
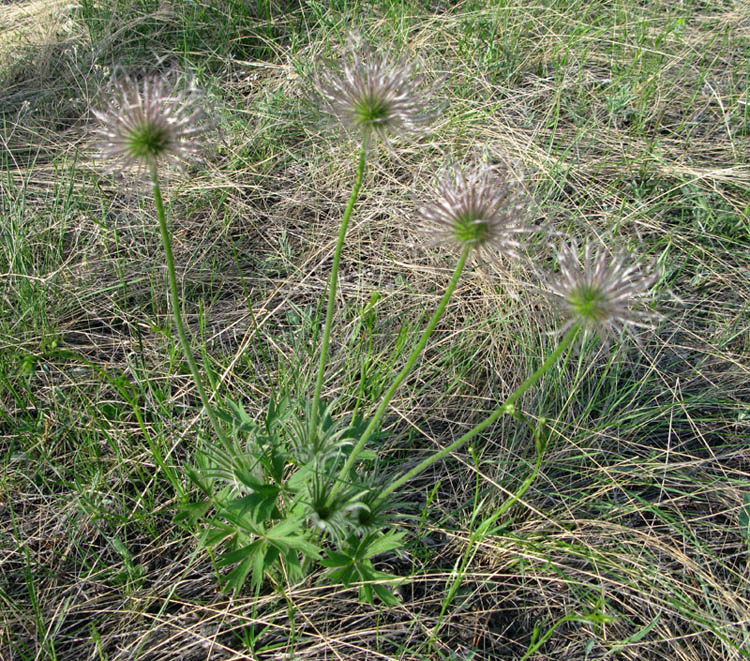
{"x": 260, "y": 505}
{"x": 191, "y": 512}
{"x": 354, "y": 565}
{"x": 388, "y": 542}
{"x": 239, "y": 555}
{"x": 236, "y": 578}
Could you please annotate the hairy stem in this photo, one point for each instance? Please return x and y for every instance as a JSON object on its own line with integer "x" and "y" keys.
{"x": 506, "y": 407}
{"x": 483, "y": 529}
{"x": 176, "y": 308}
{"x": 332, "y": 290}
{"x": 375, "y": 420}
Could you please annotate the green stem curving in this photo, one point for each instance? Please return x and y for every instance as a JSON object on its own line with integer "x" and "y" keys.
{"x": 375, "y": 420}
{"x": 176, "y": 307}
{"x": 506, "y": 407}
{"x": 332, "y": 289}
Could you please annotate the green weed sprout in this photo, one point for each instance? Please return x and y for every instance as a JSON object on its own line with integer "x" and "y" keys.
{"x": 287, "y": 492}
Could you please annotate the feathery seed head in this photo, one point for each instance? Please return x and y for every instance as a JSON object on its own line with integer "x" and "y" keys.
{"x": 150, "y": 122}
{"x": 603, "y": 293}
{"x": 371, "y": 94}
{"x": 483, "y": 207}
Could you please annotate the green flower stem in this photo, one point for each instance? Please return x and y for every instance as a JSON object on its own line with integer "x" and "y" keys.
{"x": 506, "y": 407}
{"x": 332, "y": 288}
{"x": 375, "y": 421}
{"x": 484, "y": 528}
{"x": 176, "y": 307}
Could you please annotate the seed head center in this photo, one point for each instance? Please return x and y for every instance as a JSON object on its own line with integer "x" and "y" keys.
{"x": 149, "y": 140}
{"x": 472, "y": 228}
{"x": 372, "y": 110}
{"x": 590, "y": 302}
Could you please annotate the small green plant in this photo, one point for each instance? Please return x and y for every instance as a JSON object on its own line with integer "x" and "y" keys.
{"x": 301, "y": 487}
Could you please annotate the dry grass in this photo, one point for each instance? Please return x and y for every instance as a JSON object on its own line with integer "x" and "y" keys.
{"x": 634, "y": 123}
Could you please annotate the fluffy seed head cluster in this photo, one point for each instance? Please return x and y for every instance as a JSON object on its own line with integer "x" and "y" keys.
{"x": 150, "y": 122}
{"x": 602, "y": 292}
{"x": 483, "y": 207}
{"x": 370, "y": 93}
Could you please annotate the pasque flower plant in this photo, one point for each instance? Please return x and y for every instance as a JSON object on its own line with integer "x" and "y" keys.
{"x": 603, "y": 293}
{"x": 150, "y": 123}
{"x": 481, "y": 207}
{"x": 374, "y": 96}
{"x": 295, "y": 488}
